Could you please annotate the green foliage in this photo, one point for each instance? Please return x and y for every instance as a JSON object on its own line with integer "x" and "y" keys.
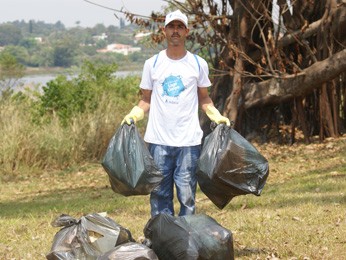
{"x": 9, "y": 34}
{"x": 98, "y": 73}
{"x": 63, "y": 54}
{"x": 79, "y": 35}
{"x": 59, "y": 97}
{"x": 89, "y": 50}
{"x": 98, "y": 29}
{"x": 28, "y": 43}
{"x": 66, "y": 98}
{"x": 10, "y": 72}
{"x": 9, "y": 66}
{"x": 20, "y": 53}
{"x": 100, "y": 44}
{"x": 42, "y": 58}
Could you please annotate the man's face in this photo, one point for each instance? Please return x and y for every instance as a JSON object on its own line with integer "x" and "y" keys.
{"x": 176, "y": 33}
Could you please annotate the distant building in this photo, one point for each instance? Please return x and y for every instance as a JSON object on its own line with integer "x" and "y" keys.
{"x": 119, "y": 48}
{"x": 139, "y": 36}
{"x": 103, "y": 36}
{"x": 38, "y": 39}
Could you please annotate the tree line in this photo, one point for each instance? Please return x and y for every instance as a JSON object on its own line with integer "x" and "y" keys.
{"x": 40, "y": 44}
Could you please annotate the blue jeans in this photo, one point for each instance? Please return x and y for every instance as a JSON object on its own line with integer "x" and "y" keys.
{"x": 178, "y": 166}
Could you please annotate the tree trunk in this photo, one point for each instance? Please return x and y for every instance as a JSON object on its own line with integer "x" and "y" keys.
{"x": 231, "y": 109}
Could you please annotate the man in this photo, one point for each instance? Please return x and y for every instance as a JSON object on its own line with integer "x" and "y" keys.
{"x": 174, "y": 82}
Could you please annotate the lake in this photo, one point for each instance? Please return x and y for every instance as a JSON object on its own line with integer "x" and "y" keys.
{"x": 42, "y": 79}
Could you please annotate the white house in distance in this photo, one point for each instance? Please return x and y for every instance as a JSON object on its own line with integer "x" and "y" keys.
{"x": 139, "y": 36}
{"x": 120, "y": 48}
{"x": 103, "y": 37}
{"x": 38, "y": 39}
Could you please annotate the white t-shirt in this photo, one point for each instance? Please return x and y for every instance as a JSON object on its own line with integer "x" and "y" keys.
{"x": 173, "y": 116}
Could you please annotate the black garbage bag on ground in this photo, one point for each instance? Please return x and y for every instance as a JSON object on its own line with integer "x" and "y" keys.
{"x": 129, "y": 165}
{"x": 86, "y": 238}
{"x": 189, "y": 237}
{"x": 130, "y": 251}
{"x": 229, "y": 166}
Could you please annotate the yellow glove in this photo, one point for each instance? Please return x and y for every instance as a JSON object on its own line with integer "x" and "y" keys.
{"x": 136, "y": 114}
{"x": 215, "y": 116}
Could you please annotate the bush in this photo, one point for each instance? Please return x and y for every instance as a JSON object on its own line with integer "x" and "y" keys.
{"x": 67, "y": 98}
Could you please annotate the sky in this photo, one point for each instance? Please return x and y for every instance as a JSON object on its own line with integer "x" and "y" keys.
{"x": 71, "y": 11}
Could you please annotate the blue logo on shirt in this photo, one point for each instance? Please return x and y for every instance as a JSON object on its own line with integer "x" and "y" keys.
{"x": 172, "y": 86}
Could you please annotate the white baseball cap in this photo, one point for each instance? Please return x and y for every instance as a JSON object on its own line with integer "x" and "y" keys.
{"x": 176, "y": 15}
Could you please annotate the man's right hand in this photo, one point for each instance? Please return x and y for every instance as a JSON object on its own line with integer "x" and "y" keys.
{"x": 134, "y": 116}
{"x": 216, "y": 117}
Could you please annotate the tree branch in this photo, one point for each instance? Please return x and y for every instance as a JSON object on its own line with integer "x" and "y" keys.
{"x": 274, "y": 91}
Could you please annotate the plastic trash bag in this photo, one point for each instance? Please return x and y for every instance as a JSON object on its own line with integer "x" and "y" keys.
{"x": 86, "y": 238}
{"x": 129, "y": 165}
{"x": 189, "y": 237}
{"x": 130, "y": 251}
{"x": 229, "y": 166}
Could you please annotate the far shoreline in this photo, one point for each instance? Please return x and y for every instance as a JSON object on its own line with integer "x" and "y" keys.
{"x": 31, "y": 71}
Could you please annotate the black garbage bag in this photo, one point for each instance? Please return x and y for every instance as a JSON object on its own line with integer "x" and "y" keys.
{"x": 189, "y": 237}
{"x": 87, "y": 238}
{"x": 130, "y": 251}
{"x": 230, "y": 166}
{"x": 129, "y": 165}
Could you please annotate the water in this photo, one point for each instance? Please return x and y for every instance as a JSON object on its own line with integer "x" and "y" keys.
{"x": 37, "y": 79}
{"x": 41, "y": 80}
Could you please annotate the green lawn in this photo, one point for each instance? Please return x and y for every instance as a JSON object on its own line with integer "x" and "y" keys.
{"x": 301, "y": 213}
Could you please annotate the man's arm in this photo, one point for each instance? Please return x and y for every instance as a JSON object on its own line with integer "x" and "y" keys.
{"x": 208, "y": 107}
{"x": 137, "y": 112}
{"x": 144, "y": 103}
{"x": 204, "y": 98}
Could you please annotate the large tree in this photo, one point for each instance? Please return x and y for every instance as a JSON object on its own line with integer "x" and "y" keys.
{"x": 276, "y": 68}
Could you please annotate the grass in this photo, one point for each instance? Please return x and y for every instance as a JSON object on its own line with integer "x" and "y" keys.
{"x": 301, "y": 213}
